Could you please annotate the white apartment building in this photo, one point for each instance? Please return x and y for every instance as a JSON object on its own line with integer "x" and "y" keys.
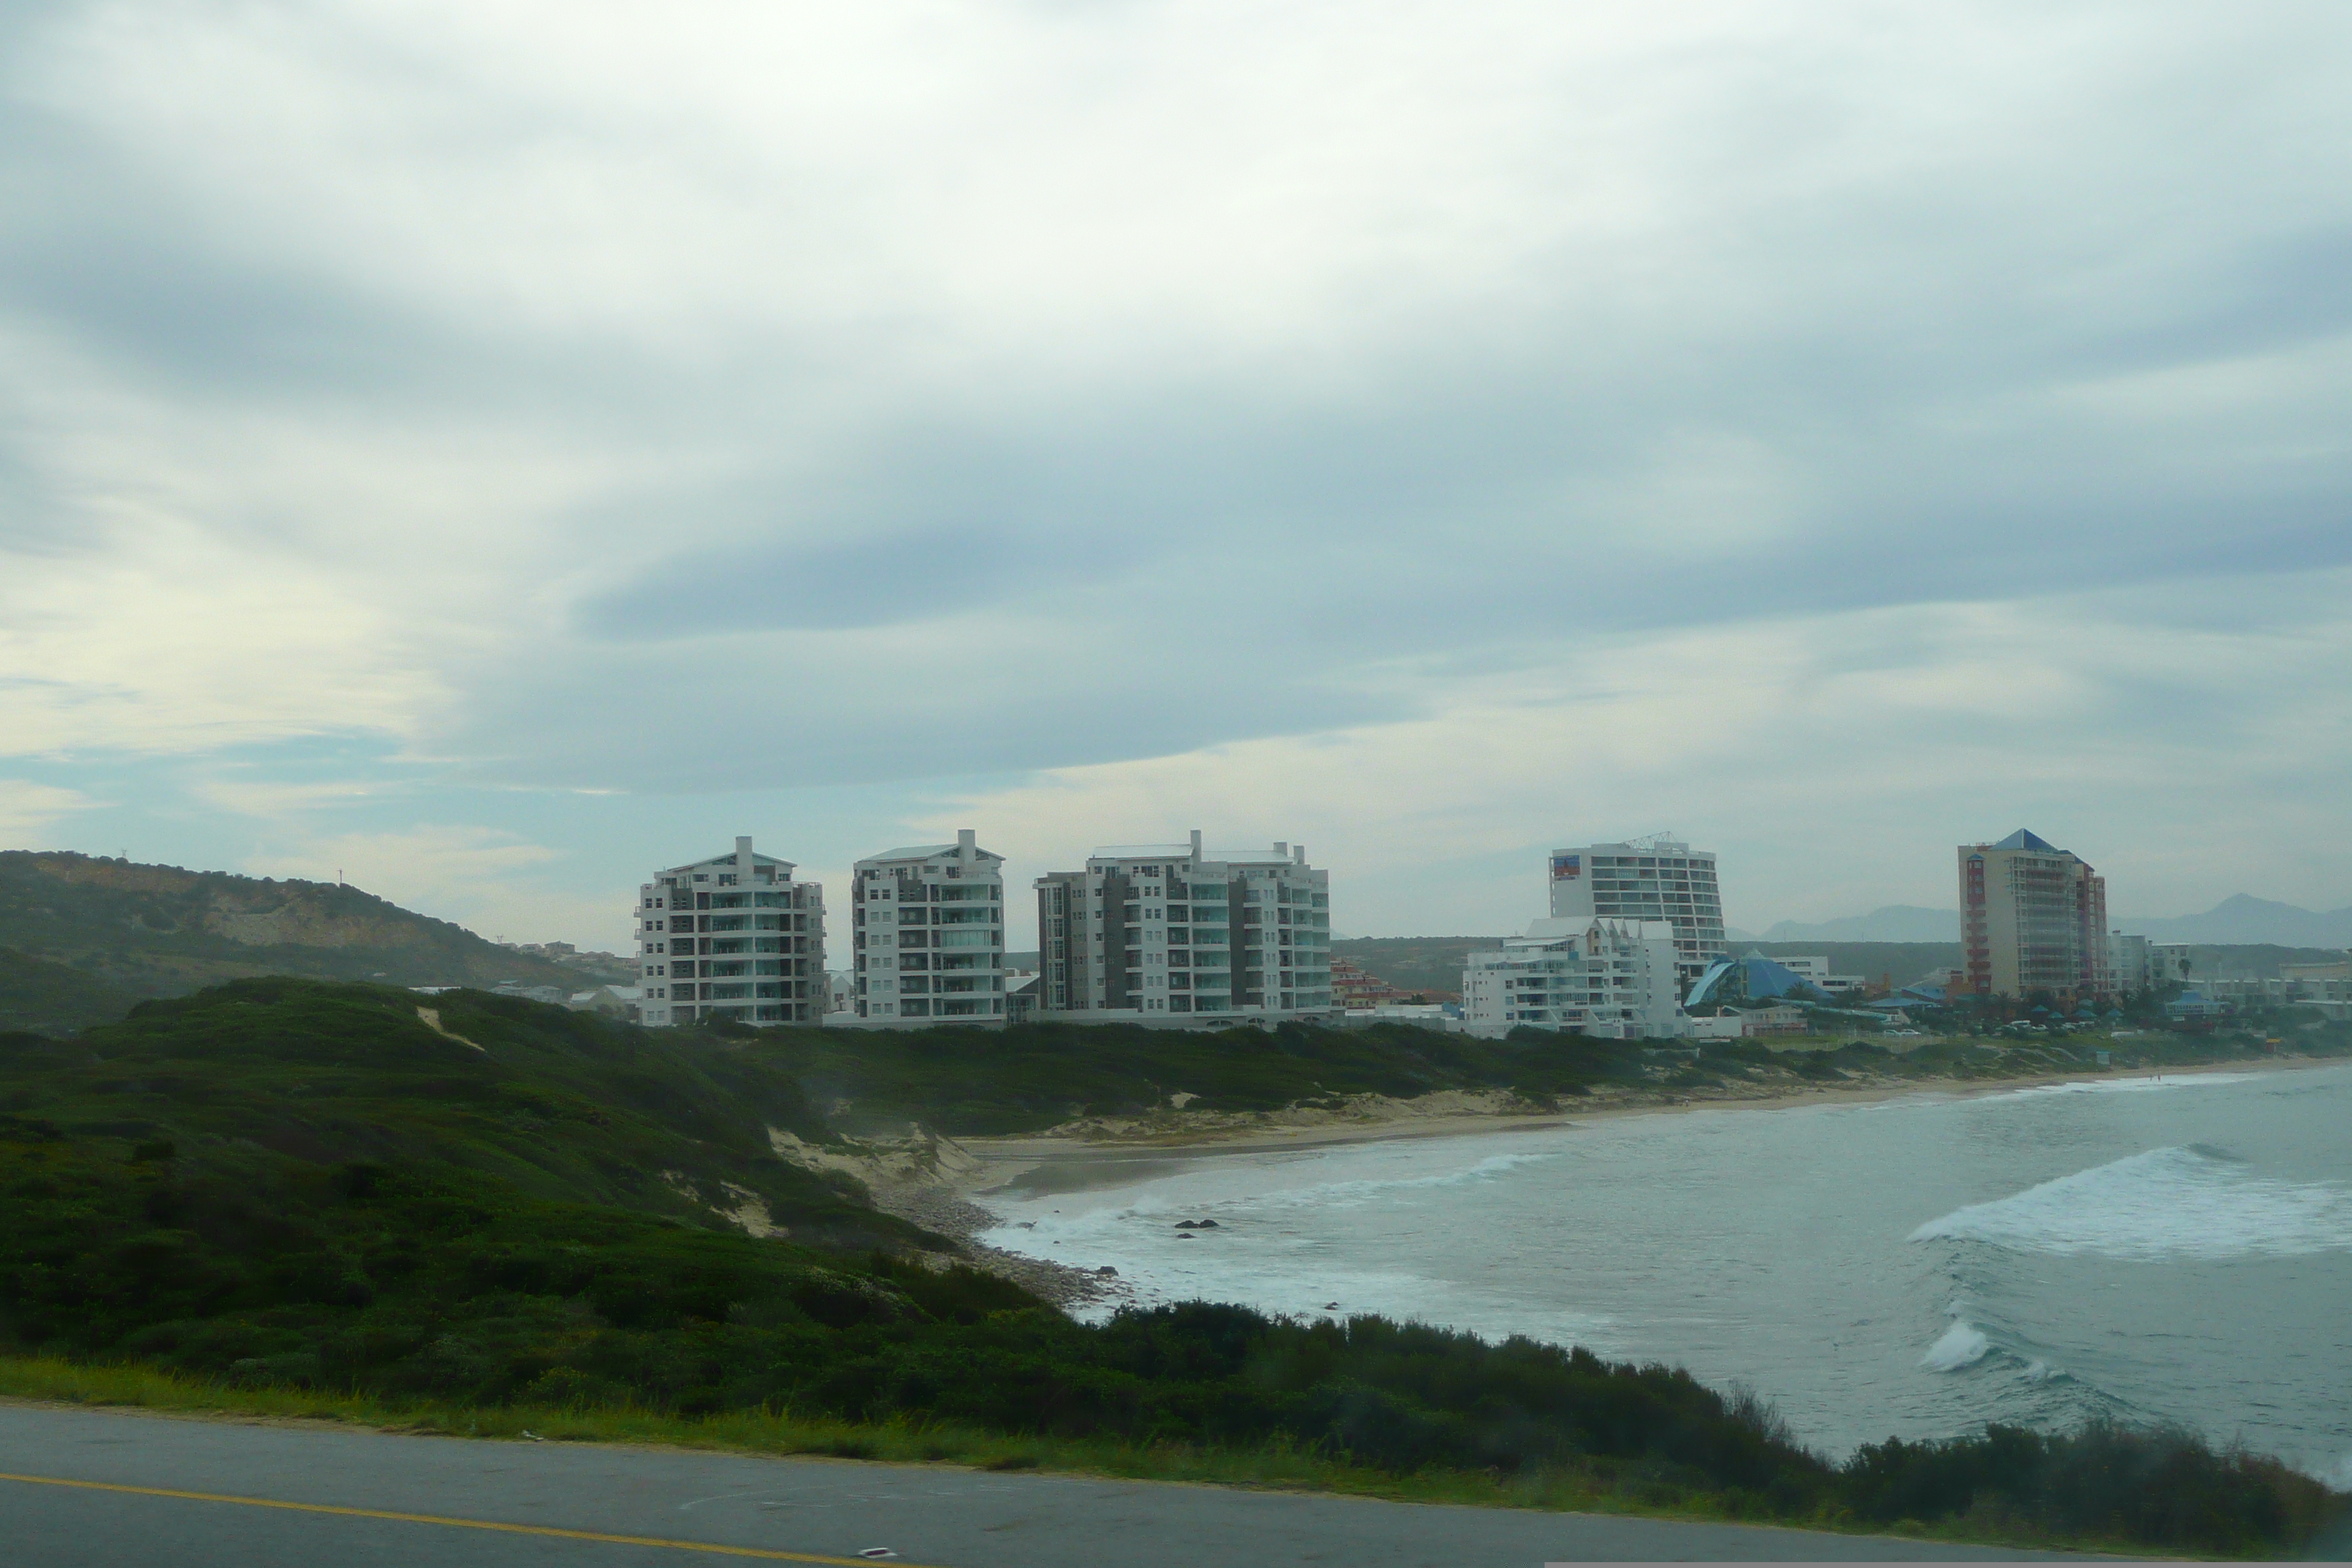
{"x": 1656, "y": 879}
{"x": 928, "y": 936}
{"x": 1614, "y": 978}
{"x": 1174, "y": 934}
{"x": 731, "y": 937}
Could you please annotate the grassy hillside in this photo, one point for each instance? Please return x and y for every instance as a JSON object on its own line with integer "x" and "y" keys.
{"x": 1416, "y": 963}
{"x": 56, "y": 998}
{"x": 111, "y": 931}
{"x": 555, "y": 1105}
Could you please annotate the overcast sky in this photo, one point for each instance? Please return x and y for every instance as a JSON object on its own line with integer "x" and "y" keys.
{"x": 498, "y": 449}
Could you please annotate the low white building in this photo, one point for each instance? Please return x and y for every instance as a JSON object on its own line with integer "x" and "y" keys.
{"x": 1752, "y": 1024}
{"x": 1615, "y": 979}
{"x": 928, "y": 936}
{"x": 1814, "y": 970}
{"x": 624, "y": 1002}
{"x": 731, "y": 937}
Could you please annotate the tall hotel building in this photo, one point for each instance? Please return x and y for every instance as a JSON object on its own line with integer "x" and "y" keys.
{"x": 731, "y": 937}
{"x": 1656, "y": 879}
{"x": 1168, "y": 932}
{"x": 929, "y": 932}
{"x": 2033, "y": 917}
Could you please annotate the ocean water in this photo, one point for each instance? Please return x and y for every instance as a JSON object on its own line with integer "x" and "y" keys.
{"x": 2176, "y": 1249}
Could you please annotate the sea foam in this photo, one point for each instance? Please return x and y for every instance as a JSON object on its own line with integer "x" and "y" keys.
{"x": 2166, "y": 1204}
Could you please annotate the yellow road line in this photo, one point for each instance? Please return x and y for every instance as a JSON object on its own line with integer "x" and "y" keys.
{"x": 763, "y": 1552}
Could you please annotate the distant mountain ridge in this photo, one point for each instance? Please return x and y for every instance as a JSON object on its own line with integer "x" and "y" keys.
{"x": 2239, "y": 921}
{"x": 1889, "y": 922}
{"x": 2242, "y": 920}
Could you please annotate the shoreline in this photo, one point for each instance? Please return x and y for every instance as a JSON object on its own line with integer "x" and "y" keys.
{"x": 1093, "y": 1154}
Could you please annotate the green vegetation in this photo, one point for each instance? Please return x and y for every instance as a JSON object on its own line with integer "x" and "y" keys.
{"x": 303, "y": 1196}
{"x": 87, "y": 937}
{"x": 1035, "y": 1075}
{"x": 38, "y": 995}
{"x": 255, "y": 1086}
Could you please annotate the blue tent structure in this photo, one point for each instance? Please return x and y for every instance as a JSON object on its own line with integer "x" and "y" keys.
{"x": 1753, "y": 978}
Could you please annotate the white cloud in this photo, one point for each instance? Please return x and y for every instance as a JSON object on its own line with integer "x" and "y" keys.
{"x": 754, "y": 397}
{"x": 1832, "y": 762}
{"x": 28, "y": 809}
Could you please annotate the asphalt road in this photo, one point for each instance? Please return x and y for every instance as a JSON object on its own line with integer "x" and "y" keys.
{"x": 272, "y": 1496}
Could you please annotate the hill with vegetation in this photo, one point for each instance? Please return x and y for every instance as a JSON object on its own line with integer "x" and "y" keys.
{"x": 286, "y": 1186}
{"x": 1416, "y": 963}
{"x": 83, "y": 937}
{"x": 49, "y": 998}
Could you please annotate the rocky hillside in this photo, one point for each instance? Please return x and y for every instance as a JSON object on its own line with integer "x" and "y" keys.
{"x": 85, "y": 937}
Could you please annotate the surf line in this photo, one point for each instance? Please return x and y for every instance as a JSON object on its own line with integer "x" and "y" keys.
{"x": 769, "y": 1553}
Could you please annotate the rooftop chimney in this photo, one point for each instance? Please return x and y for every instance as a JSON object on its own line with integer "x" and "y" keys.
{"x": 1299, "y": 853}
{"x": 1281, "y": 847}
{"x": 967, "y": 846}
{"x": 1196, "y": 847}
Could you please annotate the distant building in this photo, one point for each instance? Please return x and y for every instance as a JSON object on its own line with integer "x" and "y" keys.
{"x": 1753, "y": 1024}
{"x": 2033, "y": 917}
{"x": 2194, "y": 1007}
{"x": 1019, "y": 996}
{"x": 927, "y": 933}
{"x": 1427, "y": 1015}
{"x": 2132, "y": 962}
{"x": 1814, "y": 970}
{"x": 1353, "y": 989}
{"x": 1612, "y": 978}
{"x": 731, "y": 937}
{"x": 1656, "y": 879}
{"x": 1169, "y": 932}
{"x": 623, "y": 1002}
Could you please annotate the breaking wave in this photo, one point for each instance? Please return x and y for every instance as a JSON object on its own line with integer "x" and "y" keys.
{"x": 1963, "y": 1344}
{"x": 2167, "y": 1204}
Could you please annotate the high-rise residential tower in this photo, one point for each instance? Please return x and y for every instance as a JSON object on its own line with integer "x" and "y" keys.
{"x": 927, "y": 931}
{"x": 1169, "y": 932}
{"x": 731, "y": 937}
{"x": 1656, "y": 879}
{"x": 2033, "y": 917}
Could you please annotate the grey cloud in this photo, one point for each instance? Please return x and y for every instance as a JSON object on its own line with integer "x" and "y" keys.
{"x": 1227, "y": 553}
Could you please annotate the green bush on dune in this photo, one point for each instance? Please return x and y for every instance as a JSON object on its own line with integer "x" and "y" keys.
{"x": 300, "y": 1184}
{"x": 1034, "y": 1076}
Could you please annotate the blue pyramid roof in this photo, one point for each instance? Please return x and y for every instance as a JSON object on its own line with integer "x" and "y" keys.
{"x": 2021, "y": 840}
